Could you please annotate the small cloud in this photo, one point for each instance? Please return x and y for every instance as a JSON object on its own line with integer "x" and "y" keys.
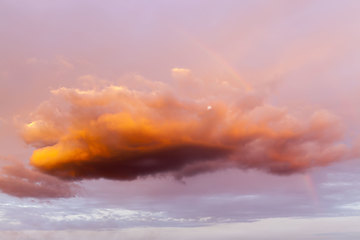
{"x": 351, "y": 206}
{"x": 180, "y": 72}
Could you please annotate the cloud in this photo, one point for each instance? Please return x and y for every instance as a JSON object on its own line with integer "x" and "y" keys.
{"x": 281, "y": 228}
{"x": 20, "y": 181}
{"x": 180, "y": 72}
{"x": 120, "y": 133}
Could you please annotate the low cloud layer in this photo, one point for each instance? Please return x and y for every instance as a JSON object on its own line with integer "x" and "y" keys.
{"x": 187, "y": 127}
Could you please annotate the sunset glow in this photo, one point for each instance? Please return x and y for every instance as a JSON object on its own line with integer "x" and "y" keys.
{"x": 200, "y": 119}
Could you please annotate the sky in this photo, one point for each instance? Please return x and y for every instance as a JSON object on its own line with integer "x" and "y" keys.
{"x": 200, "y": 119}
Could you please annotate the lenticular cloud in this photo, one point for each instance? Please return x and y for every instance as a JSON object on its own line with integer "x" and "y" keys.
{"x": 183, "y": 128}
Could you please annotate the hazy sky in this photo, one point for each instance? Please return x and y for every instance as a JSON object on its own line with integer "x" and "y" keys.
{"x": 179, "y": 119}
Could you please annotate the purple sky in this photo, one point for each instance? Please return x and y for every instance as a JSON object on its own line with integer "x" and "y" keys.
{"x": 179, "y": 119}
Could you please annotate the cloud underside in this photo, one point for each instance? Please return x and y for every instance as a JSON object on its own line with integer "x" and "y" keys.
{"x": 121, "y": 133}
{"x": 128, "y": 165}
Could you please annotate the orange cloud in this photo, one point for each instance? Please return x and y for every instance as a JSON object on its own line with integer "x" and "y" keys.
{"x": 119, "y": 133}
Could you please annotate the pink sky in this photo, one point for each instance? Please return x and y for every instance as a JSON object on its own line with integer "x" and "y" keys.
{"x": 158, "y": 118}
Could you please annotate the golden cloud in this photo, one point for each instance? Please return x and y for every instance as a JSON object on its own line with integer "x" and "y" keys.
{"x": 120, "y": 133}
